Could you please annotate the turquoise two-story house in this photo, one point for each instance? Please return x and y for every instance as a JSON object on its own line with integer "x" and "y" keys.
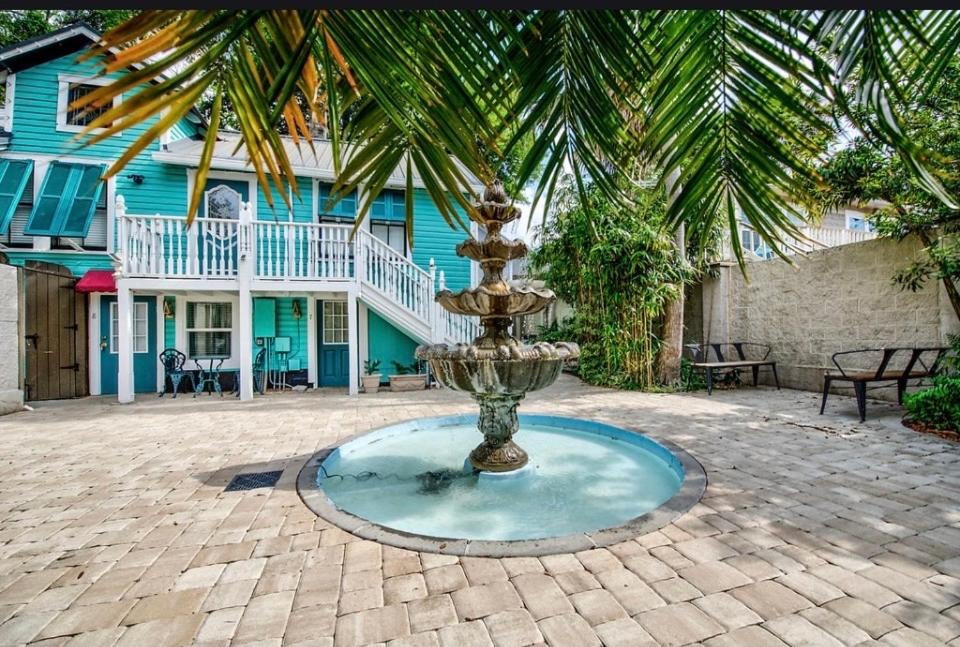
{"x": 113, "y": 276}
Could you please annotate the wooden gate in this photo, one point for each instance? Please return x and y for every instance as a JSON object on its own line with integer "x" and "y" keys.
{"x": 56, "y": 334}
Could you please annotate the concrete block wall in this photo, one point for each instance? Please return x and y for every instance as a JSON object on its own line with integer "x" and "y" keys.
{"x": 11, "y": 338}
{"x": 837, "y": 299}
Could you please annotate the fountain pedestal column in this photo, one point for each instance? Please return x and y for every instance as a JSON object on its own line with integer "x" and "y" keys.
{"x": 498, "y": 422}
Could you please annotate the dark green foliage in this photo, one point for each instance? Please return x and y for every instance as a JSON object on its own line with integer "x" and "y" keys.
{"x": 371, "y": 366}
{"x": 406, "y": 369}
{"x": 618, "y": 268}
{"x": 937, "y": 407}
{"x": 17, "y": 25}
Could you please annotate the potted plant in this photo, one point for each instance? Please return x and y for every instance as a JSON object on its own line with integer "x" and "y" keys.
{"x": 407, "y": 377}
{"x": 371, "y": 376}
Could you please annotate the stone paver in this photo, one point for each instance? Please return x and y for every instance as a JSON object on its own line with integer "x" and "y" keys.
{"x": 814, "y": 530}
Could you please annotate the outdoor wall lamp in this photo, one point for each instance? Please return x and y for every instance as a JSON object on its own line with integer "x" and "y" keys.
{"x": 136, "y": 178}
{"x": 296, "y": 309}
{"x": 168, "y": 311}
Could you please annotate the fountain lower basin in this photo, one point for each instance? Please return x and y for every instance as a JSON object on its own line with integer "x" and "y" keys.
{"x": 587, "y": 484}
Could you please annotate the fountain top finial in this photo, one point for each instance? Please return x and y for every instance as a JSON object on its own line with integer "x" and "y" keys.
{"x": 495, "y": 193}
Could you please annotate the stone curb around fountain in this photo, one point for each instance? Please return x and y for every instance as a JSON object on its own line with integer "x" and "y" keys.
{"x": 690, "y": 492}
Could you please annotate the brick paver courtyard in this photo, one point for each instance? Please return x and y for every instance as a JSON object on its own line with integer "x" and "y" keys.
{"x": 115, "y": 530}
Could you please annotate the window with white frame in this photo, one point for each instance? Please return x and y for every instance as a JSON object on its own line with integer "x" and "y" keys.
{"x": 335, "y": 322}
{"x": 209, "y": 329}
{"x": 72, "y": 89}
{"x": 141, "y": 327}
{"x": 751, "y": 241}
{"x": 859, "y": 222}
{"x": 392, "y": 233}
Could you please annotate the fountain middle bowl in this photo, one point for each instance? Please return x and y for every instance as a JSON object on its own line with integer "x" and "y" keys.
{"x": 513, "y": 369}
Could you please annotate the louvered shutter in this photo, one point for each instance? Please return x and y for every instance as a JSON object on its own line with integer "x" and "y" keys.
{"x": 14, "y": 175}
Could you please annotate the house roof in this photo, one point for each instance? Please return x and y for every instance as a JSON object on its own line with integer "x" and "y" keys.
{"x": 186, "y": 152}
{"x": 46, "y": 47}
{"x": 55, "y": 44}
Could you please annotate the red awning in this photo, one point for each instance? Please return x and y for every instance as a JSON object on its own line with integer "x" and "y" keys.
{"x": 97, "y": 281}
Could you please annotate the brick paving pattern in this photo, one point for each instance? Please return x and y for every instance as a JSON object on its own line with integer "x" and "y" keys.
{"x": 115, "y": 530}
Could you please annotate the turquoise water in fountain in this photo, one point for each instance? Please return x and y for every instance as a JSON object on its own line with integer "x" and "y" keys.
{"x": 582, "y": 476}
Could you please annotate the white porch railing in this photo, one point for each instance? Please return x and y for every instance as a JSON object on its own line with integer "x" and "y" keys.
{"x": 163, "y": 247}
{"x": 813, "y": 238}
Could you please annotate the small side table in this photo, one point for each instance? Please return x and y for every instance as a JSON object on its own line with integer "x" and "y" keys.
{"x": 208, "y": 376}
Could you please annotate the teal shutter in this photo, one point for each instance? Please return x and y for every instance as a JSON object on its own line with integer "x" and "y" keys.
{"x": 80, "y": 212}
{"x": 398, "y": 208}
{"x": 14, "y": 175}
{"x": 389, "y": 205}
{"x": 346, "y": 207}
{"x": 43, "y": 218}
{"x": 379, "y": 207}
{"x": 67, "y": 201}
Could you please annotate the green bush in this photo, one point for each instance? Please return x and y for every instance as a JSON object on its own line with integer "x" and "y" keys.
{"x": 938, "y": 406}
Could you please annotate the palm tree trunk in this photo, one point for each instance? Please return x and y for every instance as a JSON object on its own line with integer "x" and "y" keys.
{"x": 668, "y": 360}
{"x": 671, "y": 349}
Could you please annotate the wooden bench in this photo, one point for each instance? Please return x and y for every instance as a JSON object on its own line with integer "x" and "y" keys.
{"x": 913, "y": 363}
{"x": 732, "y": 356}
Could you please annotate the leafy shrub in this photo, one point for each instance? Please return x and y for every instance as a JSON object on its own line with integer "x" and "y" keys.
{"x": 371, "y": 366}
{"x": 618, "y": 269}
{"x": 938, "y": 406}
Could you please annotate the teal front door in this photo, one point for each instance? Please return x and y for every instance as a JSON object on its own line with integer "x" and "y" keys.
{"x": 144, "y": 344}
{"x": 332, "y": 334}
{"x": 218, "y": 241}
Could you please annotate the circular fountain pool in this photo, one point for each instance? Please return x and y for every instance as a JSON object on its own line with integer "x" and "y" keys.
{"x": 587, "y": 484}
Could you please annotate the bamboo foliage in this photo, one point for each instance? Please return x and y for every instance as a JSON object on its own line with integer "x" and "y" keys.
{"x": 734, "y": 101}
{"x": 617, "y": 268}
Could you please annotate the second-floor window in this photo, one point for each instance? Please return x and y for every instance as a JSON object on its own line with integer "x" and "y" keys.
{"x": 859, "y": 223}
{"x": 388, "y": 216}
{"x": 71, "y": 89}
{"x": 393, "y": 234}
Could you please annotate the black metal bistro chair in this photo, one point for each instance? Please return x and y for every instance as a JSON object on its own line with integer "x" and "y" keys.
{"x": 173, "y": 361}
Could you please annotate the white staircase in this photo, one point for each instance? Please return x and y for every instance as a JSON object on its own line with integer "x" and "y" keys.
{"x": 402, "y": 293}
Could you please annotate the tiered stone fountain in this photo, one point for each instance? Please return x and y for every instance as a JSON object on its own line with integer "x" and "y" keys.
{"x": 496, "y": 369}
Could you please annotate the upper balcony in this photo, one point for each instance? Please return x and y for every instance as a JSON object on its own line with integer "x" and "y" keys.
{"x": 165, "y": 247}
{"x": 162, "y": 252}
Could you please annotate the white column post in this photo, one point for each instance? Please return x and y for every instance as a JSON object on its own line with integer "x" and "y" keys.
{"x": 363, "y": 332}
{"x": 312, "y": 368}
{"x": 431, "y": 307}
{"x": 352, "y": 339}
{"x": 125, "y": 386}
{"x": 244, "y": 281}
{"x": 120, "y": 213}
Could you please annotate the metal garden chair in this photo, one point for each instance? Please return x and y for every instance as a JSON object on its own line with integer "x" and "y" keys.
{"x": 173, "y": 361}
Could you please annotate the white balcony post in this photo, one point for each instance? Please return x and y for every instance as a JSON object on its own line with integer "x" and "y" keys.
{"x": 125, "y": 385}
{"x": 352, "y": 340}
{"x": 120, "y": 211}
{"x": 245, "y": 261}
{"x": 436, "y": 334}
{"x": 360, "y": 256}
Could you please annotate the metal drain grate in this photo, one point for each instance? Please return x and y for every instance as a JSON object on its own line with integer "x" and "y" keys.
{"x": 253, "y": 481}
